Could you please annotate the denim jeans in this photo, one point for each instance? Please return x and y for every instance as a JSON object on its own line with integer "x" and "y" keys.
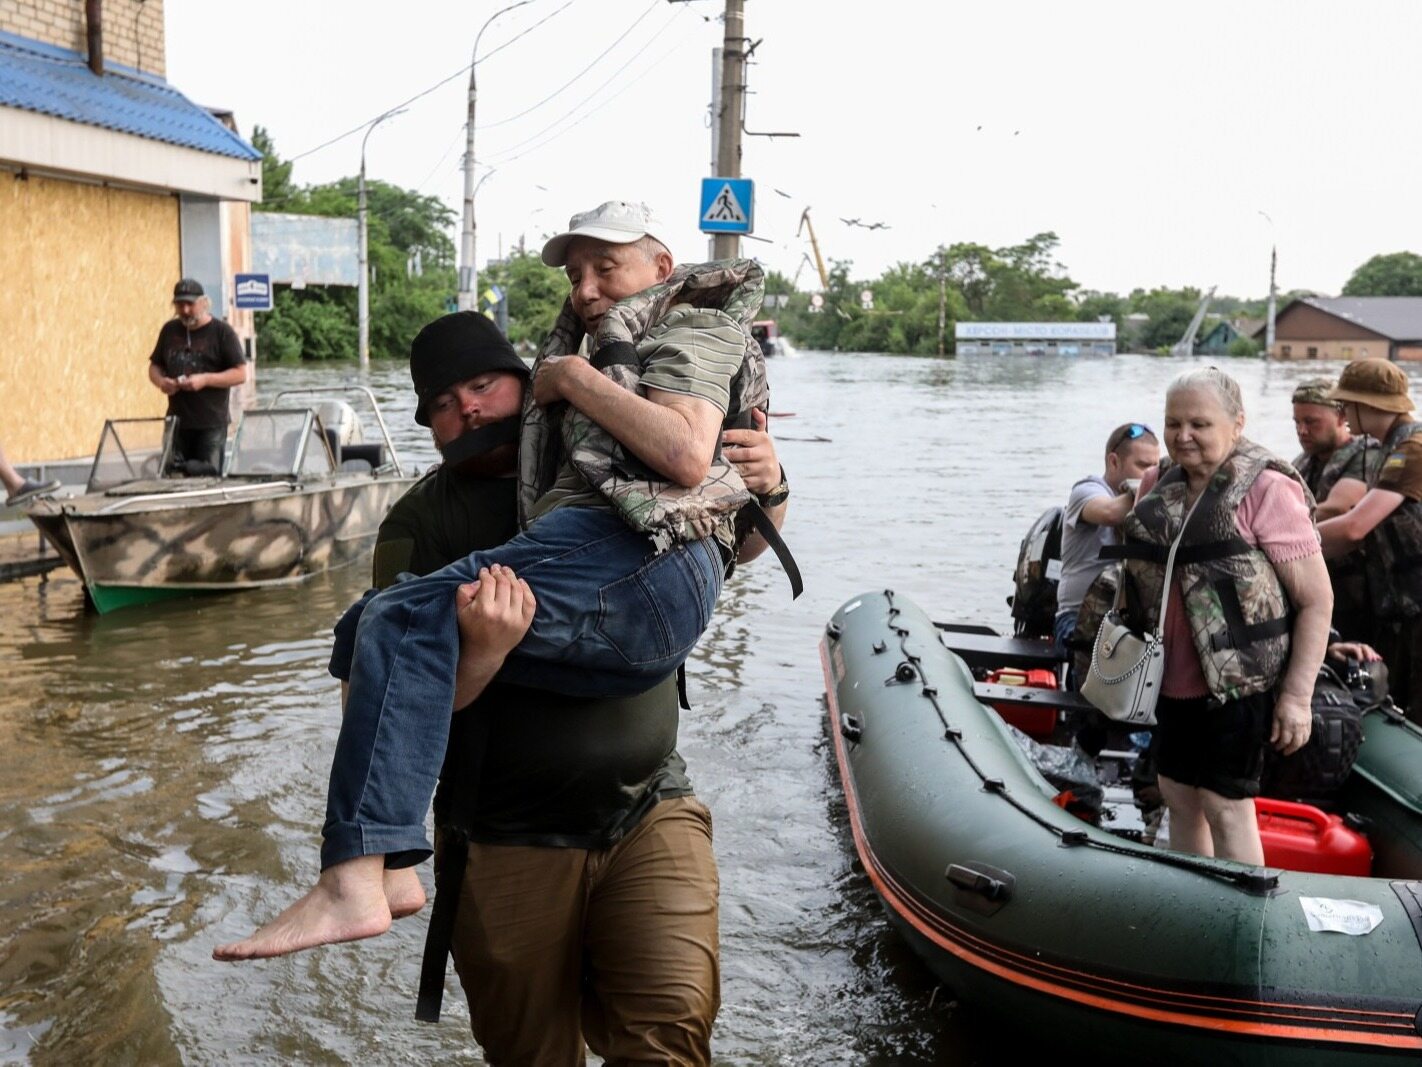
{"x": 613, "y": 619}
{"x": 1062, "y": 629}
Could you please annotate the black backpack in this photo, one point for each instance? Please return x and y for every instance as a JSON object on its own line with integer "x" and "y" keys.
{"x": 1034, "y": 597}
{"x": 1318, "y": 770}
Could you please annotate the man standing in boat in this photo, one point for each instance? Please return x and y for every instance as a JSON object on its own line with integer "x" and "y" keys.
{"x": 1337, "y": 467}
{"x": 576, "y": 886}
{"x": 1096, "y": 506}
{"x": 195, "y": 363}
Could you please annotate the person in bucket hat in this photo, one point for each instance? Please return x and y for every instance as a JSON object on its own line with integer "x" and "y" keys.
{"x": 1387, "y": 521}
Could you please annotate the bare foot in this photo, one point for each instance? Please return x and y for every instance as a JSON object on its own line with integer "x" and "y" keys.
{"x": 403, "y": 892}
{"x": 347, "y": 904}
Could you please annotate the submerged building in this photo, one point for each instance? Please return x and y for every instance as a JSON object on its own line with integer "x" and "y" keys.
{"x": 1348, "y": 327}
{"x": 1035, "y": 338}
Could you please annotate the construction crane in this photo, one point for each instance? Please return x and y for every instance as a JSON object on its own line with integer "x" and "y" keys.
{"x": 1186, "y": 345}
{"x": 805, "y": 224}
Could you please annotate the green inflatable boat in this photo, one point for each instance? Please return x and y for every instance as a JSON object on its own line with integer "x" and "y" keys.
{"x": 1063, "y": 928}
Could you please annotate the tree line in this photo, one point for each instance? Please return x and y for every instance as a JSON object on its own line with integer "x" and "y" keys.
{"x": 963, "y": 282}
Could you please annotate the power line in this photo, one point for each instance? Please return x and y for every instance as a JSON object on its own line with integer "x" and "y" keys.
{"x": 437, "y": 85}
{"x": 501, "y": 122}
{"x": 502, "y": 154}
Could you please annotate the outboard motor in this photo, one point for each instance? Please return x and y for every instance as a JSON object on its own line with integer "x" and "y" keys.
{"x": 1039, "y": 566}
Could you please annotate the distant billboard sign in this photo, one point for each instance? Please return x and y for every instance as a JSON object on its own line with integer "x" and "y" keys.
{"x": 1035, "y": 331}
{"x": 302, "y": 250}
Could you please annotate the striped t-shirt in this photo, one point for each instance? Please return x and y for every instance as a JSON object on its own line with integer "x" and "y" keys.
{"x": 692, "y": 351}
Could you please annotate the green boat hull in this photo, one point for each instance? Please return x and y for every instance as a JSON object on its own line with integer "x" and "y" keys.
{"x": 109, "y": 598}
{"x": 1093, "y": 941}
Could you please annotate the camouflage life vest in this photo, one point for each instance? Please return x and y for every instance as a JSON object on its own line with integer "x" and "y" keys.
{"x": 1240, "y": 617}
{"x": 1360, "y": 459}
{"x": 1099, "y": 598}
{"x": 1356, "y": 459}
{"x": 1392, "y": 551}
{"x": 667, "y": 512}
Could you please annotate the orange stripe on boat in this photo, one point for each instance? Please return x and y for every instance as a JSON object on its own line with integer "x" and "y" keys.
{"x": 908, "y": 909}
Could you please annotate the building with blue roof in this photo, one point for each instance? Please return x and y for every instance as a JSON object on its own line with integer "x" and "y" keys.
{"x": 113, "y": 185}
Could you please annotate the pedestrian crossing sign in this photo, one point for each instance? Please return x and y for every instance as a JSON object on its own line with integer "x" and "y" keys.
{"x": 727, "y": 205}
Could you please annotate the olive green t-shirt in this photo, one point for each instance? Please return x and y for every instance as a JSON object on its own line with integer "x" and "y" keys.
{"x": 525, "y": 766}
{"x": 692, "y": 351}
{"x": 1401, "y": 470}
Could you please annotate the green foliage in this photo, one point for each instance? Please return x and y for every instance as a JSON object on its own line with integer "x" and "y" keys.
{"x": 276, "y": 173}
{"x": 1395, "y": 274}
{"x": 535, "y": 293}
{"x": 1243, "y": 347}
{"x": 321, "y": 322}
{"x": 1170, "y": 312}
{"x": 308, "y": 324}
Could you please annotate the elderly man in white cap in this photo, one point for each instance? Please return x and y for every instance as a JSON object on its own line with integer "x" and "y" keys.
{"x": 589, "y": 908}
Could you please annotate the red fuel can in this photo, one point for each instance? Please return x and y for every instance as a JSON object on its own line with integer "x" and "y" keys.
{"x": 1036, "y": 721}
{"x": 1300, "y": 837}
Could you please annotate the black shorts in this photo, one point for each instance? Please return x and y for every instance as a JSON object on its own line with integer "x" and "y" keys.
{"x": 1219, "y": 747}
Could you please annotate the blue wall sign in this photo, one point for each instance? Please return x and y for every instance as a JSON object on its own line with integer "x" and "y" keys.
{"x": 727, "y": 205}
{"x": 253, "y": 292}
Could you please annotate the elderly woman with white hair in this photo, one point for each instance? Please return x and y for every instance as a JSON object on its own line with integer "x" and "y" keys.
{"x": 1246, "y": 619}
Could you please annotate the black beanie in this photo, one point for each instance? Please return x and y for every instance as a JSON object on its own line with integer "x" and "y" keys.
{"x": 453, "y": 349}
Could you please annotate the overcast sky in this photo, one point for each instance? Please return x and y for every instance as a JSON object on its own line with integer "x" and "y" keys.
{"x": 1149, "y": 136}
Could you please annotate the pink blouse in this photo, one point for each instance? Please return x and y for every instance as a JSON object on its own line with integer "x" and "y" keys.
{"x": 1272, "y": 517}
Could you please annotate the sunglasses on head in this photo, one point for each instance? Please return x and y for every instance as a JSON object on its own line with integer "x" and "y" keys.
{"x": 1132, "y": 431}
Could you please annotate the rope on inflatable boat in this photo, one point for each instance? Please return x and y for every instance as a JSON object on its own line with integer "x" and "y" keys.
{"x": 1250, "y": 881}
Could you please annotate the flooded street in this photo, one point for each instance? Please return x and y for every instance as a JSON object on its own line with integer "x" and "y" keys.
{"x": 163, "y": 769}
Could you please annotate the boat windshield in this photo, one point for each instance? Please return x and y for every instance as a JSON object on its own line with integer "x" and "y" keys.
{"x": 130, "y": 449}
{"x": 282, "y": 443}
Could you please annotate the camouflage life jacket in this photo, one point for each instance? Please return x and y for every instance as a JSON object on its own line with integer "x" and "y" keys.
{"x": 1392, "y": 551}
{"x": 1240, "y": 617}
{"x": 667, "y": 512}
{"x": 1359, "y": 459}
{"x": 1099, "y": 598}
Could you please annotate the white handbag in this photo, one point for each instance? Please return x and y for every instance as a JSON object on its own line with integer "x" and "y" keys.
{"x": 1126, "y": 666}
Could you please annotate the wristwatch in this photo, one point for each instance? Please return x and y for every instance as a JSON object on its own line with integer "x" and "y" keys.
{"x": 776, "y": 496}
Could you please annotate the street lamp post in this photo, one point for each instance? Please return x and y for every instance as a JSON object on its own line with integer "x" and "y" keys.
{"x": 363, "y": 281}
{"x": 468, "y": 273}
{"x": 1273, "y": 289}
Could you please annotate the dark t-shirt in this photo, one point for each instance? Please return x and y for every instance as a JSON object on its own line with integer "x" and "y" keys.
{"x": 555, "y": 771}
{"x": 207, "y": 350}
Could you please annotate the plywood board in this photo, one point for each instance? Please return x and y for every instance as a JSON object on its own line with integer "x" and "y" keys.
{"x": 87, "y": 282}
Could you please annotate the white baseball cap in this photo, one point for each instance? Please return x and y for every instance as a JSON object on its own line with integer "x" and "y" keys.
{"x": 618, "y": 222}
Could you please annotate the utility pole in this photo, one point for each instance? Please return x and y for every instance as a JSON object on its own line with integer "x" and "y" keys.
{"x": 363, "y": 282}
{"x": 468, "y": 272}
{"x": 732, "y": 106}
{"x": 942, "y": 305}
{"x": 1273, "y": 291}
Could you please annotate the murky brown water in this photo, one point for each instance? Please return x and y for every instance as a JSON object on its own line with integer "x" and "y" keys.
{"x": 162, "y": 770}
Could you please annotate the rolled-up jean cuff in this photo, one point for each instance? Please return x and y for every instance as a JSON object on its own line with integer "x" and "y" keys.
{"x": 402, "y": 846}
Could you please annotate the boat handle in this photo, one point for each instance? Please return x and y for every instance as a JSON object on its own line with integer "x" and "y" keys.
{"x": 978, "y": 882}
{"x": 850, "y": 727}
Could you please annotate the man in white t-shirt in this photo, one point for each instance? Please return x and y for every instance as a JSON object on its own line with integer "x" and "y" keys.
{"x": 1095, "y": 508}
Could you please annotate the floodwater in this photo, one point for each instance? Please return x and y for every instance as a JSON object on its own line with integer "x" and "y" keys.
{"x": 162, "y": 770}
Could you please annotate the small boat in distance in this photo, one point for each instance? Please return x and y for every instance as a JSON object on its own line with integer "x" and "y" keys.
{"x": 301, "y": 491}
{"x": 767, "y": 332}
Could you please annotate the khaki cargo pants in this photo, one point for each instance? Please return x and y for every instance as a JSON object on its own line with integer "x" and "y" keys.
{"x": 616, "y": 947}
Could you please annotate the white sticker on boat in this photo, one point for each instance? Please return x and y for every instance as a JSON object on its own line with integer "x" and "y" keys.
{"x": 1054, "y": 570}
{"x": 1341, "y": 916}
{"x": 851, "y": 607}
